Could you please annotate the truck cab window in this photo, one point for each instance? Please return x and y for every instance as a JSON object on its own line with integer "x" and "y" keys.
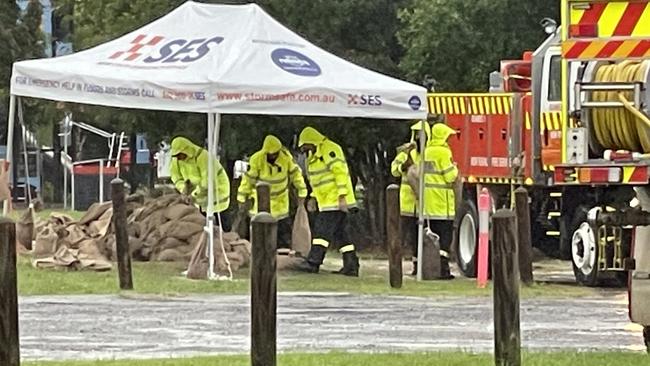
{"x": 555, "y": 79}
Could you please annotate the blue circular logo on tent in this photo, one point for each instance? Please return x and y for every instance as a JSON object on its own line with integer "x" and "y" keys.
{"x": 415, "y": 102}
{"x": 295, "y": 62}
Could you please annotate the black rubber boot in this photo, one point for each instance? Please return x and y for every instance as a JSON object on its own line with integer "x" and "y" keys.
{"x": 445, "y": 273}
{"x": 350, "y": 265}
{"x": 314, "y": 259}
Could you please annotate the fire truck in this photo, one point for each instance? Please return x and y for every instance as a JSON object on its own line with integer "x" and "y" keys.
{"x": 569, "y": 121}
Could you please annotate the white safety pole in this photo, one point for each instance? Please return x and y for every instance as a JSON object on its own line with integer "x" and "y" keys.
{"x": 10, "y": 146}
{"x": 66, "y": 123}
{"x": 210, "y": 208}
{"x": 101, "y": 181}
{"x": 421, "y": 201}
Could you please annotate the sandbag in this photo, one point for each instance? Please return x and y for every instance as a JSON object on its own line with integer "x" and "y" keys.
{"x": 179, "y": 230}
{"x": 101, "y": 226}
{"x": 197, "y": 269}
{"x": 45, "y": 244}
{"x": 168, "y": 255}
{"x": 5, "y": 191}
{"x": 195, "y": 218}
{"x": 63, "y": 257}
{"x": 25, "y": 229}
{"x": 179, "y": 211}
{"x": 170, "y": 243}
{"x": 413, "y": 178}
{"x": 301, "y": 234}
{"x": 95, "y": 211}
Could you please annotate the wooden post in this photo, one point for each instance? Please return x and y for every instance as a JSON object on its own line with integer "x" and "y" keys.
{"x": 263, "y": 197}
{"x": 505, "y": 278}
{"x": 524, "y": 231}
{"x": 393, "y": 235}
{"x": 263, "y": 290}
{"x": 430, "y": 257}
{"x": 9, "y": 342}
{"x": 121, "y": 234}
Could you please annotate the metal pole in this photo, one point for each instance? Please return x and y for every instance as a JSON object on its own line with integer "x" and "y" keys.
{"x": 210, "y": 208}
{"x": 66, "y": 123}
{"x": 72, "y": 189}
{"x": 101, "y": 181}
{"x": 10, "y": 145}
{"x": 421, "y": 202}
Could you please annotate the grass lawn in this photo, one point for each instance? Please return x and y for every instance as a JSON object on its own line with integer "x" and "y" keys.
{"x": 422, "y": 359}
{"x": 165, "y": 279}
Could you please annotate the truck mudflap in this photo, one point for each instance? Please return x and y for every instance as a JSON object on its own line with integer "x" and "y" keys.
{"x": 639, "y": 290}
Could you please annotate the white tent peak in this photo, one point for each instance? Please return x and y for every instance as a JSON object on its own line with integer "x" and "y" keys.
{"x": 220, "y": 59}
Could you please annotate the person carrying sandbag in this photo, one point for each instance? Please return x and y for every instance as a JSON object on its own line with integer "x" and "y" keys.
{"x": 274, "y": 165}
{"x": 189, "y": 173}
{"x": 329, "y": 178}
{"x": 440, "y": 174}
{"x": 408, "y": 156}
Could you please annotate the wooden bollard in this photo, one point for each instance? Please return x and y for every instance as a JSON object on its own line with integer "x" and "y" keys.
{"x": 9, "y": 341}
{"x": 505, "y": 278}
{"x": 393, "y": 235}
{"x": 524, "y": 236}
{"x": 121, "y": 234}
{"x": 263, "y": 290}
{"x": 263, "y": 197}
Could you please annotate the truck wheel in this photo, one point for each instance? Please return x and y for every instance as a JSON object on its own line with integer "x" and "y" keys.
{"x": 467, "y": 243}
{"x": 584, "y": 250}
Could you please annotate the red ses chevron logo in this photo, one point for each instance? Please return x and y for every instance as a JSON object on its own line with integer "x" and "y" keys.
{"x": 152, "y": 49}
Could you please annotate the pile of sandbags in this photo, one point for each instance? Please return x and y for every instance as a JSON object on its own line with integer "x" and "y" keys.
{"x": 166, "y": 228}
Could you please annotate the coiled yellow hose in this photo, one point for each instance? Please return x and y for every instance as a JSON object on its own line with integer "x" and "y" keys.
{"x": 620, "y": 128}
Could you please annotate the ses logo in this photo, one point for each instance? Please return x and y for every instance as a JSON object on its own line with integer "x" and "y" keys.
{"x": 152, "y": 49}
{"x": 295, "y": 62}
{"x": 364, "y": 100}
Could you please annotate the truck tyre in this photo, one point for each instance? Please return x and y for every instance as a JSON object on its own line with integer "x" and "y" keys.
{"x": 584, "y": 249}
{"x": 467, "y": 234}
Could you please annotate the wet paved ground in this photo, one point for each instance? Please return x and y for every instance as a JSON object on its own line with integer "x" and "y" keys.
{"x": 92, "y": 327}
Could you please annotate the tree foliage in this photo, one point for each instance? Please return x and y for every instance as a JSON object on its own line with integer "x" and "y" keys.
{"x": 460, "y": 42}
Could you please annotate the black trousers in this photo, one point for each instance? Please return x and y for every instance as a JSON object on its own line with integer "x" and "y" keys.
{"x": 409, "y": 233}
{"x": 332, "y": 226}
{"x": 284, "y": 233}
{"x": 445, "y": 230}
{"x": 225, "y": 220}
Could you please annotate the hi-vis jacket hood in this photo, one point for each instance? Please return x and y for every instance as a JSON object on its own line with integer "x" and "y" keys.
{"x": 416, "y": 128}
{"x": 440, "y": 132}
{"x": 310, "y": 136}
{"x": 271, "y": 145}
{"x": 185, "y": 146}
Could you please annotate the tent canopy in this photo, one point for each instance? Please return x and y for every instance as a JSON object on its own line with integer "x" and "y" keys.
{"x": 231, "y": 59}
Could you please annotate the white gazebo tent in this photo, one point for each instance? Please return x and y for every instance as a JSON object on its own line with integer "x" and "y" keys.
{"x": 216, "y": 59}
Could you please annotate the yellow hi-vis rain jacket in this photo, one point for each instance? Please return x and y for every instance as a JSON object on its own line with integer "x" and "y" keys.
{"x": 408, "y": 198}
{"x": 195, "y": 169}
{"x": 327, "y": 171}
{"x": 277, "y": 175}
{"x": 440, "y": 173}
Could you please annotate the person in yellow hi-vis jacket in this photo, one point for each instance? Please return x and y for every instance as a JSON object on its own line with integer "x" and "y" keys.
{"x": 408, "y": 155}
{"x": 274, "y": 165}
{"x": 189, "y": 169}
{"x": 329, "y": 178}
{"x": 440, "y": 174}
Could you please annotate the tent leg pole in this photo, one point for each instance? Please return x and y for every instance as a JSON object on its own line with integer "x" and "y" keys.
{"x": 210, "y": 207}
{"x": 421, "y": 203}
{"x": 10, "y": 146}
